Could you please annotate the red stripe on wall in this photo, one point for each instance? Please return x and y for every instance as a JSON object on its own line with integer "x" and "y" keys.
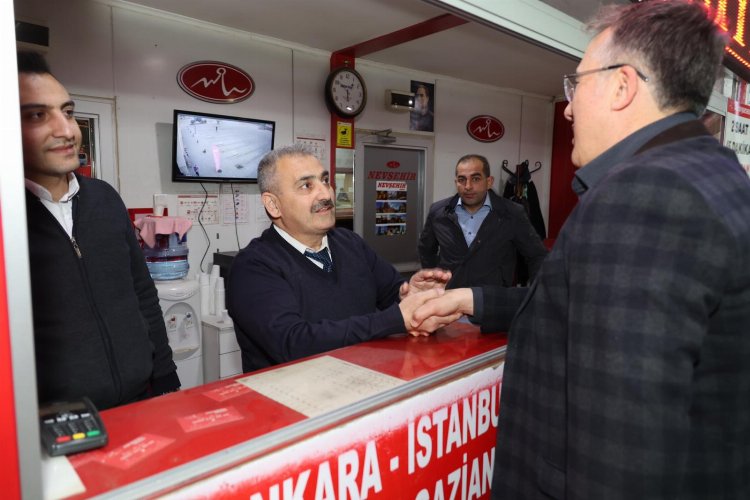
{"x": 10, "y": 484}
{"x": 428, "y": 27}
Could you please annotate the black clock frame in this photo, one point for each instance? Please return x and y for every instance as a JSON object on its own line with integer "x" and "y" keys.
{"x": 329, "y": 97}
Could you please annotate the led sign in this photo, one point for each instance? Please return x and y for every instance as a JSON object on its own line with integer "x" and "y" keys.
{"x": 731, "y": 15}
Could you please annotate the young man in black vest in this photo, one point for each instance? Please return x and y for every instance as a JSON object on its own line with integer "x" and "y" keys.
{"x": 98, "y": 327}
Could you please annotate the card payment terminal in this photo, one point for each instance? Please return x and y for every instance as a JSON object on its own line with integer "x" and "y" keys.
{"x": 71, "y": 426}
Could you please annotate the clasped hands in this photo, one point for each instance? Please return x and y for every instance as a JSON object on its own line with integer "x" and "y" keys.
{"x": 427, "y": 306}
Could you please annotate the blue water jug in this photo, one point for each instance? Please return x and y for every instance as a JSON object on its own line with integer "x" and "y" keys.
{"x": 168, "y": 259}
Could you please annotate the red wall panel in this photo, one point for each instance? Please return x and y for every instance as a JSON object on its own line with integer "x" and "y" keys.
{"x": 562, "y": 199}
{"x": 10, "y": 483}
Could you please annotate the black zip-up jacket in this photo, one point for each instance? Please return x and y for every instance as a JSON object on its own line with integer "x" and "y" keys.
{"x": 98, "y": 327}
{"x": 491, "y": 258}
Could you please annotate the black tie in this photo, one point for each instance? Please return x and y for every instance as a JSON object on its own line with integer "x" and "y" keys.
{"x": 321, "y": 257}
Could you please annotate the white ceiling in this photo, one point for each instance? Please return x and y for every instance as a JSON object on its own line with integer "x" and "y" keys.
{"x": 471, "y": 52}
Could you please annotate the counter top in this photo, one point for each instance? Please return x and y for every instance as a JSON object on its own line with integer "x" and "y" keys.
{"x": 226, "y": 422}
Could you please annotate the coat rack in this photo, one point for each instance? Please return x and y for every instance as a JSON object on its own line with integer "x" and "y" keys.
{"x": 520, "y": 189}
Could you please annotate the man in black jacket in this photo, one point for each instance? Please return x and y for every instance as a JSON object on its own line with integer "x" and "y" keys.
{"x": 476, "y": 233}
{"x": 98, "y": 327}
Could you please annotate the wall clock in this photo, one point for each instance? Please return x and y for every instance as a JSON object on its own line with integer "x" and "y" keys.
{"x": 345, "y": 92}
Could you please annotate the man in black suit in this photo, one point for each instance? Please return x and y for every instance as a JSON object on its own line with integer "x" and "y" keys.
{"x": 476, "y": 233}
{"x": 627, "y": 371}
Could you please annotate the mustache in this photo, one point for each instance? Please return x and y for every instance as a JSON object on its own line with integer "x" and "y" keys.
{"x": 322, "y": 204}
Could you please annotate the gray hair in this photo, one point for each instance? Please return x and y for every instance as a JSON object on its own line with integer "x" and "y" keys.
{"x": 675, "y": 43}
{"x": 267, "y": 165}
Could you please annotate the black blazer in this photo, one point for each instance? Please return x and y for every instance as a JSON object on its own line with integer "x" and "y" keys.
{"x": 627, "y": 371}
{"x": 491, "y": 258}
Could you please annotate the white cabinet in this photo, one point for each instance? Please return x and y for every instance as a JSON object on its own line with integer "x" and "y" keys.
{"x": 221, "y": 353}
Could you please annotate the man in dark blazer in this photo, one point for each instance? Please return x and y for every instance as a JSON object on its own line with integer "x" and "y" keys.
{"x": 627, "y": 372}
{"x": 476, "y": 233}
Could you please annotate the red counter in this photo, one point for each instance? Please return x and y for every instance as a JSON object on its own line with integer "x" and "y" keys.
{"x": 432, "y": 429}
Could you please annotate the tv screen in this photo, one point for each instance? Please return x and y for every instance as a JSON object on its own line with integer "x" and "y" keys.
{"x": 218, "y": 148}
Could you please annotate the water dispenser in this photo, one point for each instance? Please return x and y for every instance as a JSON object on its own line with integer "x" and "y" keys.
{"x": 164, "y": 244}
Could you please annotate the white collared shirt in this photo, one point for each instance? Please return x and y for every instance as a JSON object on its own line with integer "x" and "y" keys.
{"x": 301, "y": 248}
{"x": 62, "y": 210}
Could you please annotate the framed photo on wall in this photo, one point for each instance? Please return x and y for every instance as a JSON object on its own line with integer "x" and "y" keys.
{"x": 423, "y": 117}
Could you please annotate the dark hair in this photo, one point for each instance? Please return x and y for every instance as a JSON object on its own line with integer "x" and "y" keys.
{"x": 267, "y": 165}
{"x": 485, "y": 163}
{"x": 31, "y": 62}
{"x": 675, "y": 43}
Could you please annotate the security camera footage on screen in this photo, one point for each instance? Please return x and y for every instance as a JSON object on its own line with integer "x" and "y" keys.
{"x": 220, "y": 148}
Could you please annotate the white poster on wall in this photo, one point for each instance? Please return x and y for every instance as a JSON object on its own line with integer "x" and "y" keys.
{"x": 737, "y": 131}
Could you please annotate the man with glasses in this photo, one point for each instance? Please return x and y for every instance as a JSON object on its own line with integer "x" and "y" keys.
{"x": 477, "y": 234}
{"x": 627, "y": 371}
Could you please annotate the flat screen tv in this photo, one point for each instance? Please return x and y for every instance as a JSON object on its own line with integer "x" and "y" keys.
{"x": 218, "y": 148}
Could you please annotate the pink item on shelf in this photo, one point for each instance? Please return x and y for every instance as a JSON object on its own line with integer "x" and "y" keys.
{"x": 149, "y": 227}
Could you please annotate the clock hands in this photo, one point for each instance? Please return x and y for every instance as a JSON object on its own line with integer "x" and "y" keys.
{"x": 348, "y": 89}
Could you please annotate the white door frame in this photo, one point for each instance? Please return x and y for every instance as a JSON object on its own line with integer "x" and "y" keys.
{"x": 102, "y": 111}
{"x": 404, "y": 140}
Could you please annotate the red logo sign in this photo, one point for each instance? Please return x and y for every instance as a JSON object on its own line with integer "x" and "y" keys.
{"x": 215, "y": 82}
{"x": 485, "y": 128}
{"x": 393, "y": 164}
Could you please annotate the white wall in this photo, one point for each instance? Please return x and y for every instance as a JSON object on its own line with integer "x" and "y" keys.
{"x": 133, "y": 55}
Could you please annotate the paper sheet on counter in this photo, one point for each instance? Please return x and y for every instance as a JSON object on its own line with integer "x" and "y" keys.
{"x": 320, "y": 385}
{"x": 59, "y": 478}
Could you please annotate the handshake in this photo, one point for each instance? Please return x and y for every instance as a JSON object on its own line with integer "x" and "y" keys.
{"x": 426, "y": 305}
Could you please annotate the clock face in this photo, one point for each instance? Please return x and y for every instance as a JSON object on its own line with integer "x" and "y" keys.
{"x": 345, "y": 92}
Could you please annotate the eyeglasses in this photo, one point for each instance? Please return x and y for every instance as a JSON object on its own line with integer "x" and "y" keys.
{"x": 571, "y": 81}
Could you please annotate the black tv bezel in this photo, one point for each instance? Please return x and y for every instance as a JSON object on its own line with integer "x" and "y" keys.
{"x": 178, "y": 176}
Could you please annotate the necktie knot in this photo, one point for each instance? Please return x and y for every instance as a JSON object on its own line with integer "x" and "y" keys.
{"x": 321, "y": 257}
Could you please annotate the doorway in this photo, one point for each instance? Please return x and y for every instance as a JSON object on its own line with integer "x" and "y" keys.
{"x": 390, "y": 182}
{"x": 100, "y": 142}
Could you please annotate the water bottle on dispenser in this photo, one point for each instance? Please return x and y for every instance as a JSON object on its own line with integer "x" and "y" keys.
{"x": 164, "y": 245}
{"x": 168, "y": 258}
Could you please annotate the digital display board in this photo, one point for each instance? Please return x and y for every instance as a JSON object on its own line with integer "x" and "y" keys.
{"x": 732, "y": 16}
